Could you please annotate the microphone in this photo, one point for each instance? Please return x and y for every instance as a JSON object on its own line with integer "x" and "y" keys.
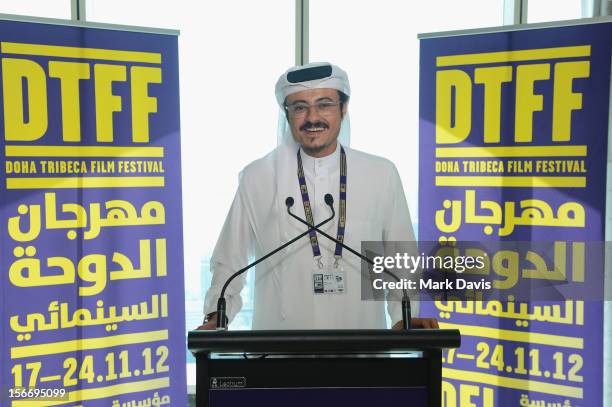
{"x": 329, "y": 200}
{"x": 221, "y": 304}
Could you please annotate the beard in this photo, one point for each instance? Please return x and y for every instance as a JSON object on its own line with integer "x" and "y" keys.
{"x": 316, "y": 149}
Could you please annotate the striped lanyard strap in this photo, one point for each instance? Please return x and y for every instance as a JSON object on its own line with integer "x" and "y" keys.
{"x": 314, "y": 241}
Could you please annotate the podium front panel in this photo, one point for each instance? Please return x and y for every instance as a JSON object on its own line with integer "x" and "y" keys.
{"x": 318, "y": 380}
{"x": 321, "y": 397}
{"x": 320, "y": 368}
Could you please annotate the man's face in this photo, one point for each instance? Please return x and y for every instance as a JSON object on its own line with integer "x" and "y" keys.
{"x": 315, "y": 124}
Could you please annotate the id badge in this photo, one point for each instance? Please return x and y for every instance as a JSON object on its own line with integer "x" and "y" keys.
{"x": 329, "y": 279}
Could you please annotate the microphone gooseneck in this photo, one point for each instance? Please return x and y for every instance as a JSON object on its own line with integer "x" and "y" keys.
{"x": 221, "y": 303}
{"x": 329, "y": 200}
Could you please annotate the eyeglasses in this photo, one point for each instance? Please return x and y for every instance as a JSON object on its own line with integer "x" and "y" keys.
{"x": 325, "y": 108}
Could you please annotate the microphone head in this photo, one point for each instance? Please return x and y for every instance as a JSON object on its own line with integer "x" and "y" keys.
{"x": 289, "y": 202}
{"x": 329, "y": 199}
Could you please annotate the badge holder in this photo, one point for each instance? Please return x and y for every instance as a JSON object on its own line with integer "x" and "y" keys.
{"x": 329, "y": 278}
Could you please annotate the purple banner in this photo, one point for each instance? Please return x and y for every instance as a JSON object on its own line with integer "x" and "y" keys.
{"x": 513, "y": 147}
{"x": 92, "y": 292}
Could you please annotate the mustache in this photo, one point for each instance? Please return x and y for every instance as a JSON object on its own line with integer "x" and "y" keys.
{"x": 309, "y": 125}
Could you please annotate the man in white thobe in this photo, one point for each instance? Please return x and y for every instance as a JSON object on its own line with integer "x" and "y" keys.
{"x": 287, "y": 290}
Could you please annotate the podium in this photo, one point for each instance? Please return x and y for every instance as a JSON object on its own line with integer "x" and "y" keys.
{"x": 320, "y": 368}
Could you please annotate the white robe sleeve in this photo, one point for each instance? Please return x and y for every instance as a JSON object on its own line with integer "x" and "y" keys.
{"x": 232, "y": 252}
{"x": 397, "y": 227}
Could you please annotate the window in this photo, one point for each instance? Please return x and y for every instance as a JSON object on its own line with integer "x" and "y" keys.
{"x": 378, "y": 48}
{"x": 37, "y": 8}
{"x": 543, "y": 10}
{"x": 230, "y": 56}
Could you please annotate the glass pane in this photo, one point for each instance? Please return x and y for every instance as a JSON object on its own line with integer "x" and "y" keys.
{"x": 545, "y": 10}
{"x": 37, "y": 8}
{"x": 225, "y": 65}
{"x": 378, "y": 48}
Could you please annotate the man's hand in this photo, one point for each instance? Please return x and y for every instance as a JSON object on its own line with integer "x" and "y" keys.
{"x": 425, "y": 323}
{"x": 209, "y": 325}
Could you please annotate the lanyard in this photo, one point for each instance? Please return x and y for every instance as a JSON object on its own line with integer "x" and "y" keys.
{"x": 314, "y": 242}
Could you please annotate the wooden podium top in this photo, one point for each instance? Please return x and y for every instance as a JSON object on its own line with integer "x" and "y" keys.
{"x": 315, "y": 341}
